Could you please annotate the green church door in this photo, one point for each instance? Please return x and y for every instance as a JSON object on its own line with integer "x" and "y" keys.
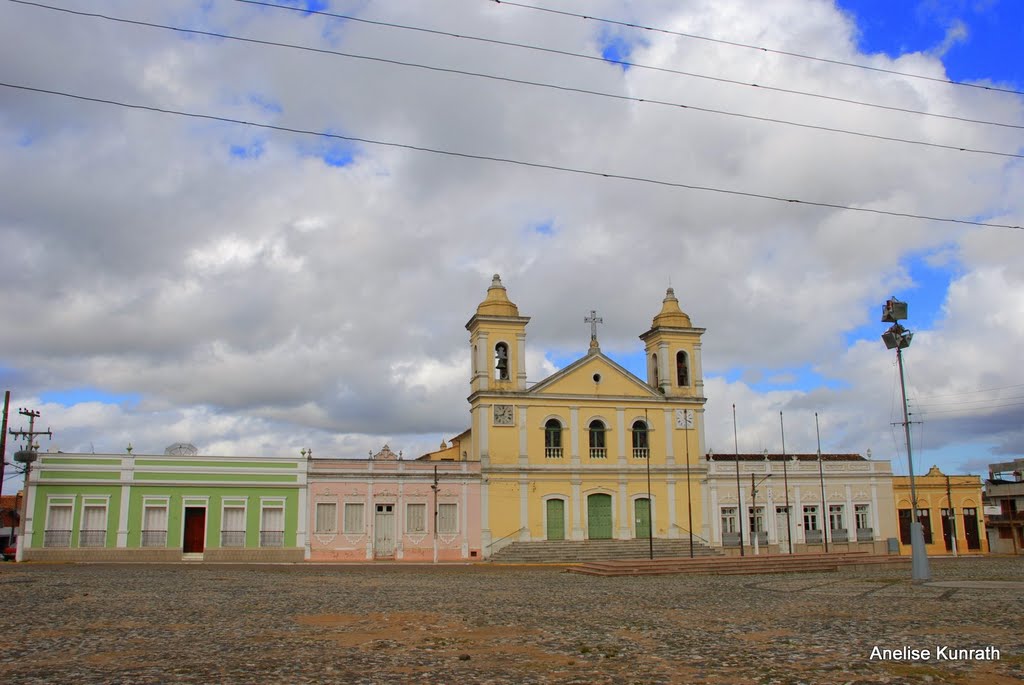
{"x": 556, "y": 519}
{"x": 642, "y": 518}
{"x": 599, "y": 517}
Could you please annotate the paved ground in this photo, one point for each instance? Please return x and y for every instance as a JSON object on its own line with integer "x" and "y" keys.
{"x": 500, "y": 624}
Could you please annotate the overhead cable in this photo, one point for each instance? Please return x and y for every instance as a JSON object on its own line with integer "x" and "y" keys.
{"x": 759, "y": 48}
{"x": 517, "y": 162}
{"x": 538, "y": 84}
{"x": 624, "y": 63}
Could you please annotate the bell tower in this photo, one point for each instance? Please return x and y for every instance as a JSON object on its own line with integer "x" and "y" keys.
{"x": 497, "y": 340}
{"x": 672, "y": 348}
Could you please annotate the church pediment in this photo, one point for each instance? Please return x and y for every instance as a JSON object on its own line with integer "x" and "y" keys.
{"x": 594, "y": 374}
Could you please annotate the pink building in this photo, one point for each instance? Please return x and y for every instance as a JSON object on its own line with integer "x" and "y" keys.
{"x": 385, "y": 507}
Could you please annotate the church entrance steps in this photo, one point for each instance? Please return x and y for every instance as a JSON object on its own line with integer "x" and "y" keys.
{"x": 575, "y": 551}
{"x": 785, "y": 563}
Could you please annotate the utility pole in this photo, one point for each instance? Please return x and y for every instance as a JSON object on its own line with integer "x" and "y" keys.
{"x": 3, "y": 436}
{"x": 26, "y": 457}
{"x": 821, "y": 476}
{"x": 739, "y": 493}
{"x": 785, "y": 484}
{"x": 435, "y": 488}
{"x": 952, "y": 516}
{"x": 898, "y": 338}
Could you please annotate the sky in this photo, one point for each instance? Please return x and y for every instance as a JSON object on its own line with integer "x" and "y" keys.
{"x": 303, "y": 280}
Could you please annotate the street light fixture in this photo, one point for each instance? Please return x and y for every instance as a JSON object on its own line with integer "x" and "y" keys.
{"x": 897, "y": 338}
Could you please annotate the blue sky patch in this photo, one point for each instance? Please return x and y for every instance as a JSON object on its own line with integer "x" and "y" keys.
{"x": 334, "y": 153}
{"x": 308, "y": 5}
{"x": 546, "y": 228}
{"x": 932, "y": 274}
{"x": 266, "y": 104}
{"x": 615, "y": 48}
{"x": 74, "y": 396}
{"x": 254, "y": 150}
{"x": 991, "y": 44}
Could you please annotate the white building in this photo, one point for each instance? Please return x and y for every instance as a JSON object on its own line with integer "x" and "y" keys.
{"x": 855, "y": 513}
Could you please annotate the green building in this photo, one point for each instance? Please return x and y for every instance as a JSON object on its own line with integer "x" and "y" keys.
{"x": 170, "y": 507}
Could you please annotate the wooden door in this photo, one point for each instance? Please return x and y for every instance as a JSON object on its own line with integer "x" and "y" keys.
{"x": 195, "y": 530}
{"x": 556, "y": 519}
{"x": 384, "y": 531}
{"x": 599, "y": 517}
{"x": 971, "y": 528}
{"x": 947, "y": 529}
{"x": 642, "y": 518}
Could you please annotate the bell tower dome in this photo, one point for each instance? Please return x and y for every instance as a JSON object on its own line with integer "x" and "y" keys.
{"x": 497, "y": 340}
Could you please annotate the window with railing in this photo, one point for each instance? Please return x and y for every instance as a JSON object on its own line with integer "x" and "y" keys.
{"x": 92, "y": 538}
{"x": 811, "y": 531}
{"x": 232, "y": 533}
{"x": 272, "y": 527}
{"x": 597, "y": 443}
{"x": 553, "y": 439}
{"x": 154, "y": 538}
{"x": 57, "y": 538}
{"x": 58, "y": 526}
{"x": 154, "y": 526}
{"x": 94, "y": 526}
{"x": 862, "y": 518}
{"x": 641, "y": 447}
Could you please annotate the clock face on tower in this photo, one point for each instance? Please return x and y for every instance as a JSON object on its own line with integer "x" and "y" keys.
{"x": 503, "y": 415}
{"x": 684, "y": 418}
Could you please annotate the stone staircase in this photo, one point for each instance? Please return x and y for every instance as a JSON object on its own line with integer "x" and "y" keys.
{"x": 577, "y": 551}
{"x": 779, "y": 563}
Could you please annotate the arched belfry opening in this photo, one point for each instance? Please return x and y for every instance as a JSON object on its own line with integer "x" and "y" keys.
{"x": 682, "y": 369}
{"x": 501, "y": 362}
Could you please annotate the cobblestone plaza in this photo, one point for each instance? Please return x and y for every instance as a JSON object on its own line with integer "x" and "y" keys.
{"x": 307, "y": 623}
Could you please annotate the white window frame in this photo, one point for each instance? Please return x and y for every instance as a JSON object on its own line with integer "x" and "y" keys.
{"x": 270, "y": 538}
{"x": 347, "y": 525}
{"x": 226, "y": 503}
{"x": 154, "y": 503}
{"x": 316, "y": 517}
{"x": 98, "y": 537}
{"x": 425, "y": 525}
{"x": 728, "y": 519}
{"x": 442, "y": 529}
{"x": 61, "y": 540}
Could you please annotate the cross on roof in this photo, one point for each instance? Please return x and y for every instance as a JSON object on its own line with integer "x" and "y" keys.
{"x": 593, "y": 320}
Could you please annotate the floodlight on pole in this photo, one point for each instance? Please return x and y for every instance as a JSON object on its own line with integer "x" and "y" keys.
{"x": 898, "y": 338}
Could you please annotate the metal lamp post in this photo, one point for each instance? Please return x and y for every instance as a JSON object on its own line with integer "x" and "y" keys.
{"x": 897, "y": 338}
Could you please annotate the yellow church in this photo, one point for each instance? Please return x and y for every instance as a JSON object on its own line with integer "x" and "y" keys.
{"x": 586, "y": 452}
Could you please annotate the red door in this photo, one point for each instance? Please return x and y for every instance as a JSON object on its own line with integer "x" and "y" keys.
{"x": 195, "y": 529}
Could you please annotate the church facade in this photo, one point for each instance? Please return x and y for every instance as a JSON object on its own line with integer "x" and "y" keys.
{"x": 592, "y": 451}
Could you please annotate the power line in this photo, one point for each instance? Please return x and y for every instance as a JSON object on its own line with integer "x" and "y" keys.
{"x": 626, "y": 63}
{"x": 538, "y": 84}
{"x": 517, "y": 162}
{"x": 992, "y": 399}
{"x": 971, "y": 392}
{"x": 969, "y": 410}
{"x": 759, "y": 48}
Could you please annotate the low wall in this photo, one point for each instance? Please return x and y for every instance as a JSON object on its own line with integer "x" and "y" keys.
{"x": 79, "y": 554}
{"x": 261, "y": 555}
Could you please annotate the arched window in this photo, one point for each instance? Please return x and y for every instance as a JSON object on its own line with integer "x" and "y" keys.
{"x": 501, "y": 362}
{"x": 597, "y": 444}
{"x": 474, "y": 362}
{"x": 654, "y": 371}
{"x": 553, "y": 439}
{"x": 682, "y": 369}
{"x": 641, "y": 448}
